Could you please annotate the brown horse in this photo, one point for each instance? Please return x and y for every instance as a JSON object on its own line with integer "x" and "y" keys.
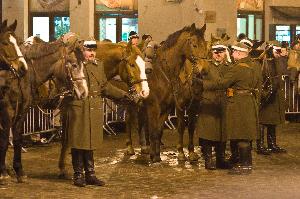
{"x": 11, "y": 58}
{"x": 45, "y": 61}
{"x": 118, "y": 59}
{"x": 185, "y": 44}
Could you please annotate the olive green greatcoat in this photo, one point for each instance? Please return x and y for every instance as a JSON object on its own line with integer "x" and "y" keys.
{"x": 85, "y": 116}
{"x": 209, "y": 123}
{"x": 241, "y": 111}
{"x": 273, "y": 111}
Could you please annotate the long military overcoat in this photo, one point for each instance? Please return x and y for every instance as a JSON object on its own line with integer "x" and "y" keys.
{"x": 241, "y": 111}
{"x": 209, "y": 123}
{"x": 85, "y": 116}
{"x": 273, "y": 111}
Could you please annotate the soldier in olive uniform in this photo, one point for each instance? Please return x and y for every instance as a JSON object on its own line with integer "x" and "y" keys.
{"x": 241, "y": 112}
{"x": 272, "y": 112}
{"x": 211, "y": 110}
{"x": 84, "y": 118}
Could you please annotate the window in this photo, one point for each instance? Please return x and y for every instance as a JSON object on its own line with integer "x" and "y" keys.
{"x": 283, "y": 33}
{"x": 250, "y": 24}
{"x": 297, "y": 30}
{"x": 49, "y": 27}
{"x": 115, "y": 26}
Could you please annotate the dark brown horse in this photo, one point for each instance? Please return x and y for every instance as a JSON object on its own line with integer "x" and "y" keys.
{"x": 45, "y": 61}
{"x": 185, "y": 44}
{"x": 11, "y": 58}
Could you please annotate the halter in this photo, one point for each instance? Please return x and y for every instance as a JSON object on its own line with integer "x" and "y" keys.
{"x": 130, "y": 81}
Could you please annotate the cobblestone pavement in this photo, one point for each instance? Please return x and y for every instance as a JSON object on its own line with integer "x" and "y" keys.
{"x": 275, "y": 176}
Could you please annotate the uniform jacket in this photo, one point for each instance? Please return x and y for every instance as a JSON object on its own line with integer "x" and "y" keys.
{"x": 85, "y": 116}
{"x": 273, "y": 111}
{"x": 240, "y": 112}
{"x": 211, "y": 105}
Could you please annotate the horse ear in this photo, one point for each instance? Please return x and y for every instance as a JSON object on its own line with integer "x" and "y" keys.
{"x": 3, "y": 25}
{"x": 13, "y": 26}
{"x": 203, "y": 29}
{"x": 193, "y": 27}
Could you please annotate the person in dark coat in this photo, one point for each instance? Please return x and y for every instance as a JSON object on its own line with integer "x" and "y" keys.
{"x": 133, "y": 38}
{"x": 84, "y": 118}
{"x": 241, "y": 111}
{"x": 272, "y": 111}
{"x": 211, "y": 110}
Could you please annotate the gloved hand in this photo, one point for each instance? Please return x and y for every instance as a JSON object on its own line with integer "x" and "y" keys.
{"x": 130, "y": 98}
{"x": 197, "y": 86}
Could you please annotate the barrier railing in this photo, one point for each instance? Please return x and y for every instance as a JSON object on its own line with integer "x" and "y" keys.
{"x": 40, "y": 121}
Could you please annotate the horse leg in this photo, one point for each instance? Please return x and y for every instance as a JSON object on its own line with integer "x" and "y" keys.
{"x": 63, "y": 150}
{"x": 4, "y": 136}
{"x": 153, "y": 120}
{"x": 142, "y": 130}
{"x": 191, "y": 129}
{"x": 180, "y": 129}
{"x": 130, "y": 117}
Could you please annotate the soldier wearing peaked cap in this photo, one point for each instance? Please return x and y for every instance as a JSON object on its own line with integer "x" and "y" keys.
{"x": 272, "y": 110}
{"x": 241, "y": 82}
{"x": 211, "y": 110}
{"x": 84, "y": 117}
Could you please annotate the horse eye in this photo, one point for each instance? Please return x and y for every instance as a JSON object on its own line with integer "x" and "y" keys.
{"x": 195, "y": 46}
{"x": 132, "y": 65}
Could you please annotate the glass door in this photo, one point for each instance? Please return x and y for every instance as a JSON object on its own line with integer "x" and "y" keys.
{"x": 283, "y": 33}
{"x": 40, "y": 28}
{"x": 61, "y": 26}
{"x": 128, "y": 24}
{"x": 115, "y": 26}
{"x": 108, "y": 29}
{"x": 251, "y": 24}
{"x": 49, "y": 27}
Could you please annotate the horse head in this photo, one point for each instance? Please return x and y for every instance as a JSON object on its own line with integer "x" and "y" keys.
{"x": 11, "y": 57}
{"x": 69, "y": 75}
{"x": 126, "y": 61}
{"x": 136, "y": 70}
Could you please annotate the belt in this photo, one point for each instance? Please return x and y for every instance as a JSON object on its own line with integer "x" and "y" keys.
{"x": 243, "y": 92}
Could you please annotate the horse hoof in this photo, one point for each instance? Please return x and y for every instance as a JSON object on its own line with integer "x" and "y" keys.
{"x": 63, "y": 175}
{"x": 21, "y": 179}
{"x": 156, "y": 159}
{"x": 4, "y": 179}
{"x": 130, "y": 151}
{"x": 181, "y": 157}
{"x": 193, "y": 156}
{"x": 145, "y": 150}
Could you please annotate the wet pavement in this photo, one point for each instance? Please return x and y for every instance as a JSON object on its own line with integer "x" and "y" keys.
{"x": 275, "y": 176}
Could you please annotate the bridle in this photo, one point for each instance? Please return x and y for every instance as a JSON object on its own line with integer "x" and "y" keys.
{"x": 8, "y": 62}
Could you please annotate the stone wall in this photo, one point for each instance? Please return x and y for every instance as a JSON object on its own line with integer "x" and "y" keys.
{"x": 161, "y": 18}
{"x": 15, "y": 9}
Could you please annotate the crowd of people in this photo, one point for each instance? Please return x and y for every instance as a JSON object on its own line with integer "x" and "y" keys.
{"x": 241, "y": 99}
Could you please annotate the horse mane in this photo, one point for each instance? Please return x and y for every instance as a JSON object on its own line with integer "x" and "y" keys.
{"x": 172, "y": 38}
{"x": 38, "y": 50}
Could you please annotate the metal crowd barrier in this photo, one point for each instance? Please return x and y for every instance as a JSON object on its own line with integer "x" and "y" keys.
{"x": 40, "y": 121}
{"x": 43, "y": 121}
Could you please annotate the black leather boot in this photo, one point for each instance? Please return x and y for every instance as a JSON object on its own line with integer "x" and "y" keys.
{"x": 260, "y": 148}
{"x": 271, "y": 139}
{"x": 77, "y": 162}
{"x": 4, "y": 177}
{"x": 221, "y": 162}
{"x": 90, "y": 177}
{"x": 244, "y": 167}
{"x": 234, "y": 157}
{"x": 206, "y": 149}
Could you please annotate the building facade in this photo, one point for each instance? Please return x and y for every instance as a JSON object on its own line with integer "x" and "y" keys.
{"x": 114, "y": 19}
